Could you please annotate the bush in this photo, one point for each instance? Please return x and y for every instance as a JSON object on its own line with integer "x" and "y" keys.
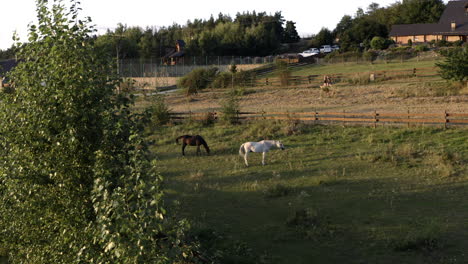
{"x": 245, "y": 78}
{"x": 378, "y": 43}
{"x": 198, "y": 79}
{"x": 458, "y": 43}
{"x": 226, "y": 79}
{"x": 410, "y": 42}
{"x": 230, "y": 109}
{"x": 283, "y": 72}
{"x": 421, "y": 48}
{"x": 222, "y": 80}
{"x": 443, "y": 43}
{"x": 158, "y": 111}
{"x": 455, "y": 65}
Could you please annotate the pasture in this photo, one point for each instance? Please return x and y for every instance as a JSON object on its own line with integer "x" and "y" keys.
{"x": 335, "y": 195}
{"x": 399, "y": 94}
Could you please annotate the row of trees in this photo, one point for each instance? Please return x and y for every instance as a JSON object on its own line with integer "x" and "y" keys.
{"x": 355, "y": 32}
{"x": 248, "y": 34}
{"x": 260, "y": 34}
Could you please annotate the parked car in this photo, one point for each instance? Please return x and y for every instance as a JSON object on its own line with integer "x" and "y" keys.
{"x": 335, "y": 47}
{"x": 325, "y": 49}
{"x": 309, "y": 52}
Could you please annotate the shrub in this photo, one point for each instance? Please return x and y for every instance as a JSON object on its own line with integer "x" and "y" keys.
{"x": 410, "y": 42}
{"x": 443, "y": 43}
{"x": 455, "y": 64}
{"x": 378, "y": 43}
{"x": 245, "y": 78}
{"x": 421, "y": 48}
{"x": 158, "y": 111}
{"x": 197, "y": 79}
{"x": 230, "y": 109}
{"x": 458, "y": 43}
{"x": 283, "y": 72}
{"x": 222, "y": 80}
{"x": 226, "y": 80}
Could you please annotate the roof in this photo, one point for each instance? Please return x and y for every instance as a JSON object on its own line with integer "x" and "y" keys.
{"x": 7, "y": 65}
{"x": 180, "y": 42}
{"x": 455, "y": 11}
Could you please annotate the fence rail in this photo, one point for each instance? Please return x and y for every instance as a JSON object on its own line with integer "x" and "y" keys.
{"x": 343, "y": 77}
{"x": 373, "y": 118}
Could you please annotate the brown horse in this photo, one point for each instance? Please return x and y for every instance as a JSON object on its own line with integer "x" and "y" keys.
{"x": 193, "y": 141}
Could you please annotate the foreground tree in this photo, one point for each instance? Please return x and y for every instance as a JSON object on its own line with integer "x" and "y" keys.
{"x": 76, "y": 181}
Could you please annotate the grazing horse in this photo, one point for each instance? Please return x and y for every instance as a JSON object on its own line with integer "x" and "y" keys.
{"x": 193, "y": 141}
{"x": 262, "y": 146}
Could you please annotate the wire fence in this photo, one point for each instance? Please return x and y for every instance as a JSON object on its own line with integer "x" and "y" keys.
{"x": 181, "y": 66}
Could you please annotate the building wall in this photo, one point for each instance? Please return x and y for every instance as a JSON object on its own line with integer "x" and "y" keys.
{"x": 425, "y": 38}
{"x": 433, "y": 37}
{"x": 402, "y": 39}
{"x": 453, "y": 38}
{"x": 418, "y": 38}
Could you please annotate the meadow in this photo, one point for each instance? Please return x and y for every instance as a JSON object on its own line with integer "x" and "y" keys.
{"x": 335, "y": 195}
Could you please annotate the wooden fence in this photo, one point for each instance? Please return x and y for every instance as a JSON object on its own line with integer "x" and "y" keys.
{"x": 373, "y": 118}
{"x": 345, "y": 77}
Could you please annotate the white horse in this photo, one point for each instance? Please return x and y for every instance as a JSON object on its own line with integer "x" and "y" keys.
{"x": 263, "y": 146}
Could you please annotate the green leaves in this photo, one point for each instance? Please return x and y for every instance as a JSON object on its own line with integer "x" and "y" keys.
{"x": 455, "y": 65}
{"x": 76, "y": 181}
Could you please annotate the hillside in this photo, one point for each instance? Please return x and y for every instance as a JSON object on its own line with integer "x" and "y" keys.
{"x": 397, "y": 94}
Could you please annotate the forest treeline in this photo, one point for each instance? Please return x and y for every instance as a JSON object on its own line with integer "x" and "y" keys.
{"x": 260, "y": 34}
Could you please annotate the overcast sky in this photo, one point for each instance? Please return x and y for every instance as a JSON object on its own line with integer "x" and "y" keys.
{"x": 310, "y": 16}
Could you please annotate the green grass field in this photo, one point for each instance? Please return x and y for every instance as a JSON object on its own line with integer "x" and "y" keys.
{"x": 335, "y": 195}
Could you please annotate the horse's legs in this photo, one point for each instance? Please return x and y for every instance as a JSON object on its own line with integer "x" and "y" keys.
{"x": 183, "y": 148}
{"x": 198, "y": 150}
{"x": 245, "y": 158}
{"x": 263, "y": 158}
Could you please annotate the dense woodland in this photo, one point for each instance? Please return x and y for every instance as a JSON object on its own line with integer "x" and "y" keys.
{"x": 261, "y": 34}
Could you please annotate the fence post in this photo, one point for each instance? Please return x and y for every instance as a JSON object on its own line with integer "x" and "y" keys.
{"x": 408, "y": 116}
{"x": 414, "y": 72}
{"x": 446, "y": 119}
{"x": 344, "y": 117}
{"x": 315, "y": 116}
{"x": 375, "y": 119}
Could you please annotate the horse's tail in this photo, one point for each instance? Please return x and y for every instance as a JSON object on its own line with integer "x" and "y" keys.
{"x": 242, "y": 150}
